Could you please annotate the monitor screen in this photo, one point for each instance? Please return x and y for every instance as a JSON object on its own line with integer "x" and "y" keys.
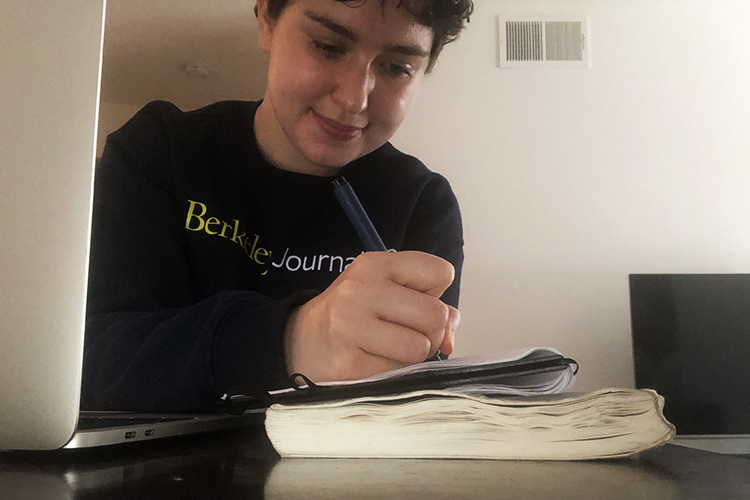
{"x": 691, "y": 341}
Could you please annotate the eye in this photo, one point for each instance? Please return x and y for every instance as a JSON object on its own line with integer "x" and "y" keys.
{"x": 397, "y": 70}
{"x": 327, "y": 49}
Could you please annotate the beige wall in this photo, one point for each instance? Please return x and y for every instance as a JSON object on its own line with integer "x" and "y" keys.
{"x": 569, "y": 179}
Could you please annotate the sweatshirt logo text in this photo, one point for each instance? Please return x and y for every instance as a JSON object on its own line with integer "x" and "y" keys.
{"x": 198, "y": 221}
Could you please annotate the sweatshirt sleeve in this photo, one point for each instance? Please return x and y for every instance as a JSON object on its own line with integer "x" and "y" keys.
{"x": 435, "y": 227}
{"x": 152, "y": 344}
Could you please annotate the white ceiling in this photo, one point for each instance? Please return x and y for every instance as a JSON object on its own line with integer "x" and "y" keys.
{"x": 149, "y": 43}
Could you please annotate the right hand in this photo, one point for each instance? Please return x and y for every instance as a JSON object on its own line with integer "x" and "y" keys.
{"x": 383, "y": 312}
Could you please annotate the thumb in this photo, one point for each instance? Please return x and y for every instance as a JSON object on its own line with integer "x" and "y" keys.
{"x": 449, "y": 337}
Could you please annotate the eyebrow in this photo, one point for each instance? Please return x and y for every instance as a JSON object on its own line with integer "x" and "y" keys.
{"x": 332, "y": 25}
{"x": 407, "y": 50}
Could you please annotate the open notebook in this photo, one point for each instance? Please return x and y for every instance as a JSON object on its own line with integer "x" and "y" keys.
{"x": 519, "y": 372}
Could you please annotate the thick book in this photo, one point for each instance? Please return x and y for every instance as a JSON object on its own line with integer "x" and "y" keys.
{"x": 607, "y": 423}
{"x": 512, "y": 406}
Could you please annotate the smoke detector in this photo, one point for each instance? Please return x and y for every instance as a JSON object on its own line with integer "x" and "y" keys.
{"x": 194, "y": 70}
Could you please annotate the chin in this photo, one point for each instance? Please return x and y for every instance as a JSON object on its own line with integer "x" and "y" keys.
{"x": 332, "y": 160}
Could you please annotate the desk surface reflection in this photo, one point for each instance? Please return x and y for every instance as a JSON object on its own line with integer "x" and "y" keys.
{"x": 242, "y": 464}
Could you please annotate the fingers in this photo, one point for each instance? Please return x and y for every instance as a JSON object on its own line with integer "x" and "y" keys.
{"x": 359, "y": 364}
{"x": 417, "y": 280}
{"x": 418, "y": 271}
{"x": 397, "y": 343}
{"x": 388, "y": 320}
{"x": 412, "y": 310}
{"x": 327, "y": 345}
{"x": 382, "y": 313}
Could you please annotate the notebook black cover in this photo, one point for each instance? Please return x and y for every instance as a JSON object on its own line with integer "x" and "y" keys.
{"x": 440, "y": 379}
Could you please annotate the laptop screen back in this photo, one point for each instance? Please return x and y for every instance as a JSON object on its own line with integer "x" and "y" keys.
{"x": 49, "y": 86}
{"x": 691, "y": 342}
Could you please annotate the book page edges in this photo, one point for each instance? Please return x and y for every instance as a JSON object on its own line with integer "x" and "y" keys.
{"x": 347, "y": 439}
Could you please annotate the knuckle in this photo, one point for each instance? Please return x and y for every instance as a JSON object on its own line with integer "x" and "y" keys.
{"x": 349, "y": 289}
{"x": 366, "y": 265}
{"x": 439, "y": 315}
{"x": 447, "y": 271}
{"x": 454, "y": 317}
{"x": 435, "y": 270}
{"x": 419, "y": 351}
{"x": 367, "y": 259}
{"x": 355, "y": 267}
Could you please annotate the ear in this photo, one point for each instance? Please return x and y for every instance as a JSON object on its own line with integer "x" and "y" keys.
{"x": 265, "y": 26}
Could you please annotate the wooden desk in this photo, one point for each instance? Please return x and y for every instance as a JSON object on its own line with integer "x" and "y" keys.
{"x": 243, "y": 465}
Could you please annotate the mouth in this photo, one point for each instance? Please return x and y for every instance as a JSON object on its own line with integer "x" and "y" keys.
{"x": 337, "y": 130}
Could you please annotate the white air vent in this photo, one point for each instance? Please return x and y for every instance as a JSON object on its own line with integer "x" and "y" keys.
{"x": 543, "y": 43}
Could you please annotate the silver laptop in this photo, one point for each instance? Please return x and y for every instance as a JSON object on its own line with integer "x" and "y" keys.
{"x": 691, "y": 343}
{"x": 50, "y": 62}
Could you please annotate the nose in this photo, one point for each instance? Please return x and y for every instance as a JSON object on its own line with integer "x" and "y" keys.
{"x": 354, "y": 83}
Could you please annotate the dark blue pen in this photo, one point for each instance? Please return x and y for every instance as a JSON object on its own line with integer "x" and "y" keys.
{"x": 357, "y": 216}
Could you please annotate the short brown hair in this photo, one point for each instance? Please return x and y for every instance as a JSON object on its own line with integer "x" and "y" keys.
{"x": 446, "y": 18}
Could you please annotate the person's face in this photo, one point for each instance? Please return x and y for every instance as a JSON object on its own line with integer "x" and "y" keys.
{"x": 340, "y": 80}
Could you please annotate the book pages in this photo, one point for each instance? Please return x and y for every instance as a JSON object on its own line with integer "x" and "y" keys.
{"x": 443, "y": 424}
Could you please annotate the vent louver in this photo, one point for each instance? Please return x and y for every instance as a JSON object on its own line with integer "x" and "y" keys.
{"x": 563, "y": 41}
{"x": 543, "y": 43}
{"x": 524, "y": 41}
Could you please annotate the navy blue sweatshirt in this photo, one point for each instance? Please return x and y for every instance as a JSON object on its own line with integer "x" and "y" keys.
{"x": 200, "y": 248}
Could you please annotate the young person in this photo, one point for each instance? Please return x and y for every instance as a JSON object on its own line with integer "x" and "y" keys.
{"x": 220, "y": 256}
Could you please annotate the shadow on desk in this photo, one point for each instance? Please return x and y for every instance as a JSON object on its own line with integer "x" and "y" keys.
{"x": 241, "y": 464}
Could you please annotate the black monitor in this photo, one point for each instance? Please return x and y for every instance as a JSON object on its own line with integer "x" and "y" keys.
{"x": 691, "y": 343}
